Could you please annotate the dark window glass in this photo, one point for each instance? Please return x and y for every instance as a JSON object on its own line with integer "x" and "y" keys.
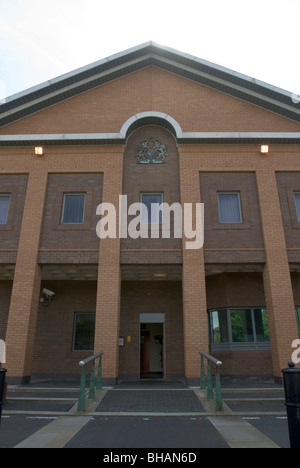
{"x": 261, "y": 325}
{"x": 150, "y": 212}
{"x": 297, "y": 203}
{"x": 219, "y": 326}
{"x": 4, "y": 208}
{"x": 73, "y": 208}
{"x": 241, "y": 326}
{"x": 298, "y": 319}
{"x": 229, "y": 208}
{"x": 84, "y": 331}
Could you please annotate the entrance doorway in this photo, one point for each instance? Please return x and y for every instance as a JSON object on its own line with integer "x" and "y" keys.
{"x": 152, "y": 349}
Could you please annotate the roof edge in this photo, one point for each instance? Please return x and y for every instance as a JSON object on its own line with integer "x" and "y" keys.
{"x": 75, "y": 72}
{"x": 65, "y": 86}
{"x": 119, "y": 138}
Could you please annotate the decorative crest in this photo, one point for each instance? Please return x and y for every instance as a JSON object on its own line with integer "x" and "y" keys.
{"x": 151, "y": 151}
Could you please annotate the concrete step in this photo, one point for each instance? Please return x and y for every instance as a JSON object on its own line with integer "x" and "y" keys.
{"x": 41, "y": 393}
{"x": 40, "y": 400}
{"x": 133, "y": 399}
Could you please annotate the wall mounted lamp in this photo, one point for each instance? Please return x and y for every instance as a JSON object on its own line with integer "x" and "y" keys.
{"x": 264, "y": 149}
{"x": 39, "y": 151}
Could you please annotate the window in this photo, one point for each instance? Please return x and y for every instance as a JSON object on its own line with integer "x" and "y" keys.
{"x": 229, "y": 207}
{"x": 4, "y": 208}
{"x": 231, "y": 328}
{"x": 261, "y": 325}
{"x": 219, "y": 326}
{"x": 73, "y": 208}
{"x": 297, "y": 203}
{"x": 241, "y": 326}
{"x": 298, "y": 319}
{"x": 84, "y": 331}
{"x": 150, "y": 211}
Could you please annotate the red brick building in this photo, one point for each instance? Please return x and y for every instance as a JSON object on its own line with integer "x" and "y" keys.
{"x": 149, "y": 303}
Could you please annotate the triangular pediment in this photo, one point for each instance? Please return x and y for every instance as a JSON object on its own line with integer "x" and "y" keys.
{"x": 146, "y": 55}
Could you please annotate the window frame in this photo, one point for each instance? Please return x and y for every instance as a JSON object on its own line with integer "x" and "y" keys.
{"x": 231, "y": 345}
{"x": 76, "y": 315}
{"x": 65, "y": 194}
{"x": 160, "y": 212}
{"x": 6, "y": 195}
{"x": 238, "y": 194}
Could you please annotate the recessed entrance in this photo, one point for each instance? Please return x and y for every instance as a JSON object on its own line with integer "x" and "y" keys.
{"x": 138, "y": 299}
{"x": 152, "y": 351}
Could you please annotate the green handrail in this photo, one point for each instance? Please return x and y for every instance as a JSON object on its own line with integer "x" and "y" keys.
{"x": 95, "y": 381}
{"x": 207, "y": 383}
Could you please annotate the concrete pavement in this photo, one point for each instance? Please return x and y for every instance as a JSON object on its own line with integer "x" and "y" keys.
{"x": 145, "y": 416}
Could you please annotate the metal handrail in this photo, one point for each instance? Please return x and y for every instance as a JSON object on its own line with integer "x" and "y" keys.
{"x": 95, "y": 382}
{"x": 209, "y": 386}
{"x": 210, "y": 358}
{"x": 84, "y": 362}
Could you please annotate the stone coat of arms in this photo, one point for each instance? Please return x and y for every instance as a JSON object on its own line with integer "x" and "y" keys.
{"x": 151, "y": 151}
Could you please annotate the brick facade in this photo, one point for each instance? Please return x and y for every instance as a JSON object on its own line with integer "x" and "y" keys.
{"x": 241, "y": 266}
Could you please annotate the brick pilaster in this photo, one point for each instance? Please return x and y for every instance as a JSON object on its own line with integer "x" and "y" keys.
{"x": 276, "y": 274}
{"x": 193, "y": 280}
{"x": 24, "y": 302}
{"x": 109, "y": 279}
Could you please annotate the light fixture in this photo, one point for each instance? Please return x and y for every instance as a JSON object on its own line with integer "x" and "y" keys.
{"x": 39, "y": 151}
{"x": 71, "y": 270}
{"x": 264, "y": 149}
{"x": 160, "y": 275}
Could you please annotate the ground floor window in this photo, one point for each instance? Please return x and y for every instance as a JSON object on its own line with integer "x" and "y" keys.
{"x": 84, "y": 331}
{"x": 239, "y": 328}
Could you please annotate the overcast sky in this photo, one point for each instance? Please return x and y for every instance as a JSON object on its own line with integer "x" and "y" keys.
{"x": 42, "y": 39}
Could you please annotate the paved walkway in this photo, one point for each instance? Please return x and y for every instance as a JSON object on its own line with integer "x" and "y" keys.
{"x": 144, "y": 414}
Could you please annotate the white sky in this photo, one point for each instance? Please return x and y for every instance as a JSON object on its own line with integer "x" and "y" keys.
{"x": 42, "y": 39}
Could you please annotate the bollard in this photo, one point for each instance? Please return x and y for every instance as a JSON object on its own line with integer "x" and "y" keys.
{"x": 2, "y": 384}
{"x": 291, "y": 380}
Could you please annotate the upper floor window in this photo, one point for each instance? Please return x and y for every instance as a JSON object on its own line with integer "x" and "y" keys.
{"x": 4, "y": 208}
{"x": 297, "y": 203}
{"x": 229, "y": 205}
{"x": 73, "y": 208}
{"x": 151, "y": 212}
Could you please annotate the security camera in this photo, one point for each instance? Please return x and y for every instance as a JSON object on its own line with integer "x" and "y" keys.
{"x": 47, "y": 297}
{"x": 48, "y": 293}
